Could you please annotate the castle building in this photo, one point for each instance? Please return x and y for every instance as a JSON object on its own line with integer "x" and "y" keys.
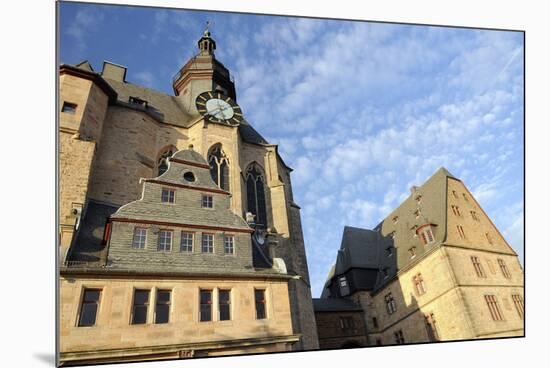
{"x": 435, "y": 269}
{"x": 179, "y": 236}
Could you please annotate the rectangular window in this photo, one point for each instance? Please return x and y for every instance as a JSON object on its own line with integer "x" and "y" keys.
{"x": 186, "y": 242}
{"x": 399, "y": 338}
{"x": 347, "y": 324}
{"x": 389, "y": 251}
{"x": 460, "y": 232}
{"x": 417, "y": 213}
{"x": 503, "y": 268}
{"x": 489, "y": 238}
{"x": 390, "y": 303}
{"x": 168, "y": 195}
{"x": 465, "y": 197}
{"x": 162, "y": 307}
{"x": 477, "y": 266}
{"x": 429, "y": 235}
{"x": 68, "y": 107}
{"x": 140, "y": 307}
{"x": 205, "y": 305}
{"x": 89, "y": 307}
{"x": 431, "y": 327}
{"x": 456, "y": 210}
{"x": 224, "y": 299}
{"x": 207, "y": 244}
{"x": 454, "y": 194}
{"x": 228, "y": 244}
{"x": 474, "y": 215}
{"x": 492, "y": 303}
{"x": 259, "y": 298}
{"x": 412, "y": 251}
{"x": 207, "y": 201}
{"x": 518, "y": 303}
{"x": 395, "y": 219}
{"x": 374, "y": 322}
{"x": 386, "y": 272}
{"x": 165, "y": 240}
{"x": 140, "y": 236}
{"x": 419, "y": 285}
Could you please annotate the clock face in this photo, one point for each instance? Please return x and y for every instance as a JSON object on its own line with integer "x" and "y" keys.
{"x": 217, "y": 107}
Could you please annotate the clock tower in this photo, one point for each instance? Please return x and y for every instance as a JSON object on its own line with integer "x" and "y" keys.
{"x": 202, "y": 73}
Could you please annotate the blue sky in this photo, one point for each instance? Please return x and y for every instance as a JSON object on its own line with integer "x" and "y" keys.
{"x": 361, "y": 111}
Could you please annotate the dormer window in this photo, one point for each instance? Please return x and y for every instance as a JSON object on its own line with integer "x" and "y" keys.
{"x": 137, "y": 101}
{"x": 344, "y": 287}
{"x": 395, "y": 219}
{"x": 426, "y": 234}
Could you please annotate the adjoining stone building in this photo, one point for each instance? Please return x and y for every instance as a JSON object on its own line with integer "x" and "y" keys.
{"x": 179, "y": 235}
{"x": 435, "y": 269}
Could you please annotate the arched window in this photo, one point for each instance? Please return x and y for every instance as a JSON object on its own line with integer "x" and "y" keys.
{"x": 162, "y": 161}
{"x": 255, "y": 194}
{"x": 219, "y": 166}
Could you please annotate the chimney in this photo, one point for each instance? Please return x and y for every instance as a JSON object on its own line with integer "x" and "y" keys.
{"x": 113, "y": 71}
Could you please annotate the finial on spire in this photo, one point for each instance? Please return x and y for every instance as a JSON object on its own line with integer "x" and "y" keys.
{"x": 207, "y": 45}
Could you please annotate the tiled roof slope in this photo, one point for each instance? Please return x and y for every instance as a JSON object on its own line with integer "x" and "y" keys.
{"x": 164, "y": 107}
{"x": 366, "y": 249}
{"x": 187, "y": 207}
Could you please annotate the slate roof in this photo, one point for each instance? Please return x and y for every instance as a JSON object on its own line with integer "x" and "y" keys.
{"x": 335, "y": 305}
{"x": 363, "y": 248}
{"x": 88, "y": 245}
{"x": 191, "y": 156}
{"x": 163, "y": 107}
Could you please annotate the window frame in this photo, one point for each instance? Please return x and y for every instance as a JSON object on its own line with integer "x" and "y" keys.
{"x": 171, "y": 196}
{"x": 518, "y": 303}
{"x": 228, "y": 304}
{"x": 83, "y": 303}
{"x": 231, "y": 243}
{"x": 69, "y": 108}
{"x": 209, "y": 246}
{"x": 210, "y": 303}
{"x": 494, "y": 308}
{"x": 146, "y": 304}
{"x": 161, "y": 231}
{"x": 478, "y": 267}
{"x": 419, "y": 285}
{"x": 183, "y": 232}
{"x": 157, "y": 304}
{"x": 262, "y": 302}
{"x": 144, "y": 237}
{"x": 391, "y": 307}
{"x": 504, "y": 268}
{"x": 207, "y": 201}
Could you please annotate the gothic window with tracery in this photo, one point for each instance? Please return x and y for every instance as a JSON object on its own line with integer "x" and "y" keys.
{"x": 255, "y": 194}
{"x": 162, "y": 162}
{"x": 219, "y": 167}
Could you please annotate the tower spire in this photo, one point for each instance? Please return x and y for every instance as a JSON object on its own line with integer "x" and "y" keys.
{"x": 207, "y": 45}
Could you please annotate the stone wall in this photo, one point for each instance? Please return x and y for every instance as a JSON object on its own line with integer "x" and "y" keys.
{"x": 333, "y": 336}
{"x": 113, "y": 330}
